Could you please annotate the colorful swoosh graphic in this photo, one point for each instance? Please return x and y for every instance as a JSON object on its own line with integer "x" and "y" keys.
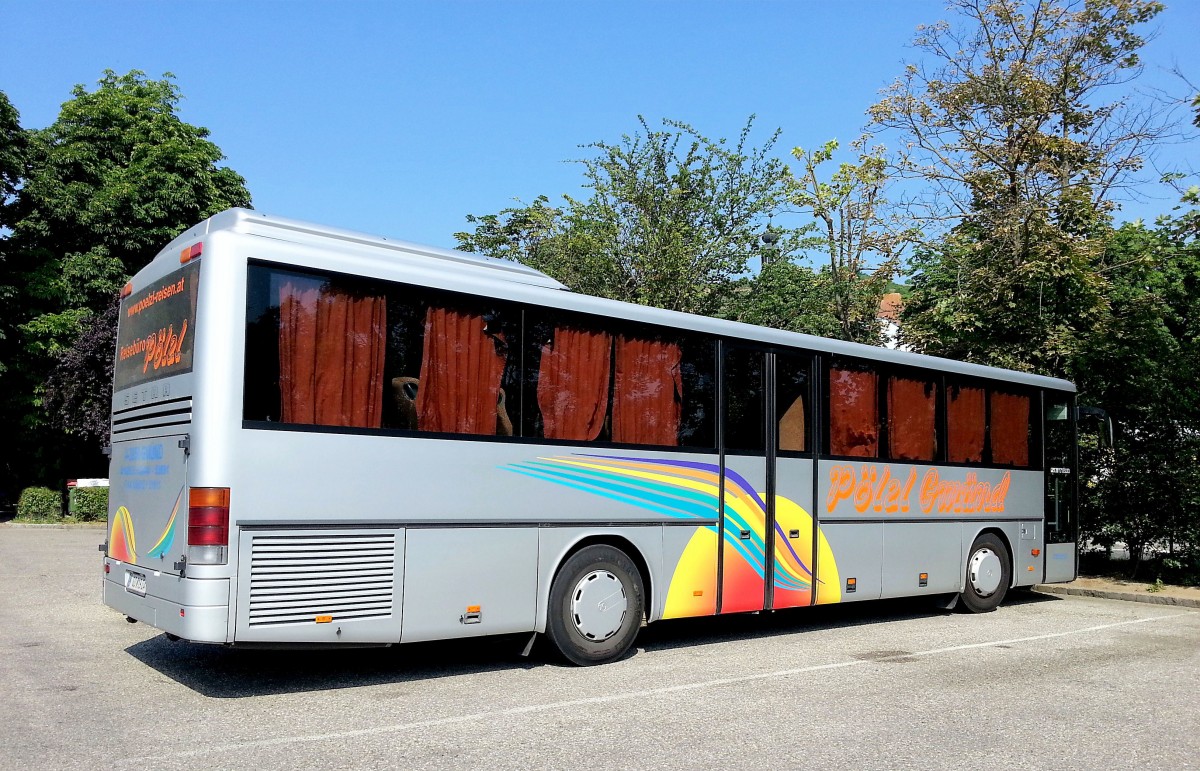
{"x": 122, "y": 544}
{"x": 692, "y": 490}
{"x": 165, "y": 540}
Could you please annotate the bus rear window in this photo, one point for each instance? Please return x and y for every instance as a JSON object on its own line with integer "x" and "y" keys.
{"x": 156, "y": 332}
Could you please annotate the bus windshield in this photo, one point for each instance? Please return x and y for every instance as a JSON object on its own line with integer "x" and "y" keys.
{"x": 157, "y": 329}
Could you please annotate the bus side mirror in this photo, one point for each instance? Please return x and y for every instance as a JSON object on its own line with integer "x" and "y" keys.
{"x": 1106, "y": 432}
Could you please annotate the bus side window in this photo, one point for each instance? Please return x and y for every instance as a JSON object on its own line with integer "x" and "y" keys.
{"x": 912, "y": 419}
{"x": 791, "y": 402}
{"x": 744, "y": 403}
{"x": 966, "y": 424}
{"x": 568, "y": 380}
{"x": 331, "y": 336}
{"x": 698, "y": 419}
{"x": 448, "y": 366}
{"x": 1009, "y": 428}
{"x": 853, "y": 410}
{"x": 586, "y": 383}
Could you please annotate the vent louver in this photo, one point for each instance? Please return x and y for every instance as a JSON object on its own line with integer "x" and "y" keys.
{"x": 294, "y": 579}
{"x": 152, "y": 419}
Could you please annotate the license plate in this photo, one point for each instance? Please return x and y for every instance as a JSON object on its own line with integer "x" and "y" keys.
{"x": 135, "y": 582}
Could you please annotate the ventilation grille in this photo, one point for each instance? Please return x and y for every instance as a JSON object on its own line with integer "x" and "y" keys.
{"x": 171, "y": 414}
{"x": 294, "y": 579}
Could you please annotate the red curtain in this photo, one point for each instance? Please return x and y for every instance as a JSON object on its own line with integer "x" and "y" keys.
{"x": 461, "y": 370}
{"x": 912, "y": 419}
{"x": 1010, "y": 429}
{"x": 331, "y": 345}
{"x": 572, "y": 390}
{"x": 966, "y": 423}
{"x": 647, "y": 392}
{"x": 853, "y": 413}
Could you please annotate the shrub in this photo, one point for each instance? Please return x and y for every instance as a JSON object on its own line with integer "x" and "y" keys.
{"x": 91, "y": 504}
{"x": 39, "y": 503}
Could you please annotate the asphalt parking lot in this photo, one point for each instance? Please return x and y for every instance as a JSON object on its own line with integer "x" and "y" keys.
{"x": 1045, "y": 682}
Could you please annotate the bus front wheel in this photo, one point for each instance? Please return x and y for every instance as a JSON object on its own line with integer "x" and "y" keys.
{"x": 596, "y": 606}
{"x": 989, "y": 573}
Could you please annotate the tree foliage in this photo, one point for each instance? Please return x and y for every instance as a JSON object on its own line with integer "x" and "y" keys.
{"x": 1016, "y": 130}
{"x": 96, "y": 195}
{"x": 787, "y": 295}
{"x": 679, "y": 221}
{"x": 852, "y": 234}
{"x": 671, "y": 220}
{"x": 1143, "y": 371}
{"x": 1009, "y": 128}
{"x": 78, "y": 389}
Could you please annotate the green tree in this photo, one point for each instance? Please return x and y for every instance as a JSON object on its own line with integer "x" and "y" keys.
{"x": 853, "y": 234}
{"x": 1013, "y": 125}
{"x": 787, "y": 295}
{"x": 1143, "y": 370}
{"x": 100, "y": 191}
{"x": 672, "y": 219}
{"x": 12, "y": 158}
{"x": 524, "y": 234}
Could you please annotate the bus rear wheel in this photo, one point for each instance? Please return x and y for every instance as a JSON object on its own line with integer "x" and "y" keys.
{"x": 596, "y": 606}
{"x": 989, "y": 573}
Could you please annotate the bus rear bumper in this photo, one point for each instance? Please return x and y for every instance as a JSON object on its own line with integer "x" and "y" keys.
{"x": 195, "y": 610}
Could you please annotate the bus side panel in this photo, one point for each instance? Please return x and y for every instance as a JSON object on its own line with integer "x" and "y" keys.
{"x": 469, "y": 582}
{"x": 319, "y": 585}
{"x": 1060, "y": 562}
{"x": 857, "y": 551}
{"x": 1029, "y": 564}
{"x": 913, "y": 549}
{"x": 689, "y": 560}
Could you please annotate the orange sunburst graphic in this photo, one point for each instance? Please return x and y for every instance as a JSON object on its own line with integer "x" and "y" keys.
{"x": 121, "y": 544}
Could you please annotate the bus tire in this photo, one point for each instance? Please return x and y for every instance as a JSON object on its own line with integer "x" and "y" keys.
{"x": 989, "y": 573}
{"x": 596, "y": 606}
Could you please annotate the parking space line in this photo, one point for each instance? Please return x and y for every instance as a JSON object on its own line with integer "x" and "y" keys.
{"x": 623, "y": 696}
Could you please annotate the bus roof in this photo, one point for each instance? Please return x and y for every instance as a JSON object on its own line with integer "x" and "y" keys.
{"x": 256, "y": 223}
{"x": 526, "y": 284}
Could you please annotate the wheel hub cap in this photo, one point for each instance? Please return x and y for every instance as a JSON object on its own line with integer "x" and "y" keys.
{"x": 598, "y": 605}
{"x": 985, "y": 572}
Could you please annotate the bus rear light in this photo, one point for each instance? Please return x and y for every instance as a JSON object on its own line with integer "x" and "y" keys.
{"x": 127, "y": 290}
{"x": 190, "y": 253}
{"x": 208, "y": 526}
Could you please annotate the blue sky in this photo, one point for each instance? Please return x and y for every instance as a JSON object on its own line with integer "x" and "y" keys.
{"x": 401, "y": 118}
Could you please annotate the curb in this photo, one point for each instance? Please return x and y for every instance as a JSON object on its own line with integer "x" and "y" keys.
{"x": 1153, "y": 599}
{"x": 56, "y": 525}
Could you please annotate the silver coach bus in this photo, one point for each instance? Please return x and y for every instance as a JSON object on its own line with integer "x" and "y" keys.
{"x": 320, "y": 436}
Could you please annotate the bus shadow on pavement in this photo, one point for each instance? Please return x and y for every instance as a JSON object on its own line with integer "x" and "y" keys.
{"x": 686, "y": 633}
{"x": 232, "y": 672}
{"x": 235, "y": 672}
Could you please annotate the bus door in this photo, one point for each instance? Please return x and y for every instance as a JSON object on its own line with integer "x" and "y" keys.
{"x": 1061, "y": 475}
{"x": 766, "y": 554}
{"x": 790, "y": 444}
